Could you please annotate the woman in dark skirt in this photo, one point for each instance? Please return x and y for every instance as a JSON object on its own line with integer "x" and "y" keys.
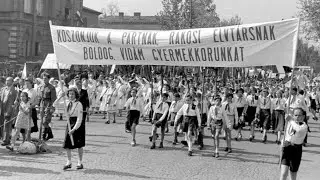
{"x": 77, "y": 126}
{"x": 278, "y": 106}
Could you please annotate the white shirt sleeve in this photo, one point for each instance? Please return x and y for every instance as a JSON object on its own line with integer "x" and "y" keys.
{"x": 79, "y": 111}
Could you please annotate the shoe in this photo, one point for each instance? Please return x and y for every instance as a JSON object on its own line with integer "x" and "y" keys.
{"x": 67, "y": 167}
{"x": 226, "y": 149}
{"x": 80, "y": 166}
{"x": 216, "y": 155}
{"x": 264, "y": 139}
{"x": 9, "y": 147}
{"x": 5, "y": 144}
{"x": 251, "y": 138}
{"x": 114, "y": 121}
{"x": 175, "y": 141}
{"x": 189, "y": 153}
{"x": 200, "y": 147}
{"x": 185, "y": 143}
{"x": 153, "y": 146}
{"x": 104, "y": 118}
{"x": 150, "y": 138}
{"x": 229, "y": 150}
{"x": 161, "y": 145}
{"x": 108, "y": 122}
{"x": 128, "y": 131}
{"x": 133, "y": 143}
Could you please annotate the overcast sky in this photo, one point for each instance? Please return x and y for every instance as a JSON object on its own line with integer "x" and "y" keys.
{"x": 250, "y": 11}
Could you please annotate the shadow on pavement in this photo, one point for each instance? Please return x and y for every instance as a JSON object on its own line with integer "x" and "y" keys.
{"x": 310, "y": 151}
{"x": 114, "y": 173}
{"x": 28, "y": 170}
{"x": 105, "y": 135}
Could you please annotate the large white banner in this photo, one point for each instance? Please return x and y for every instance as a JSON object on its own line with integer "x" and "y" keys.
{"x": 271, "y": 43}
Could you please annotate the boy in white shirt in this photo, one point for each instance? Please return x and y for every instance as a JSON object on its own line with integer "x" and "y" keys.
{"x": 134, "y": 105}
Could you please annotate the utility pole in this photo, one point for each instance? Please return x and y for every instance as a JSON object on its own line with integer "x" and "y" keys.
{"x": 34, "y": 19}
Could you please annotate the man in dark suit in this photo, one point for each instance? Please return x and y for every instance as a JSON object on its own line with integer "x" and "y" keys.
{"x": 8, "y": 95}
{"x": 83, "y": 98}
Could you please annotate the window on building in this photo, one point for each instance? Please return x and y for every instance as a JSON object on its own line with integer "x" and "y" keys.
{"x": 40, "y": 7}
{"x": 28, "y": 6}
{"x": 66, "y": 13}
{"x": 37, "y": 49}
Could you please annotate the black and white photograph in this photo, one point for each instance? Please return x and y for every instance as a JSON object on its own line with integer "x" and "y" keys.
{"x": 159, "y": 89}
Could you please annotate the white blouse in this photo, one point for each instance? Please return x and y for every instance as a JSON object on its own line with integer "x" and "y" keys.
{"x": 76, "y": 111}
{"x": 296, "y": 133}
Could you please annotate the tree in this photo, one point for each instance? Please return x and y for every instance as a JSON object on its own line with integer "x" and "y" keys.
{"x": 236, "y": 20}
{"x": 112, "y": 9}
{"x": 310, "y": 15}
{"x": 307, "y": 56}
{"x": 178, "y": 14}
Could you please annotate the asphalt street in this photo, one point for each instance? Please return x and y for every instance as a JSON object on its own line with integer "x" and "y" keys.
{"x": 109, "y": 155}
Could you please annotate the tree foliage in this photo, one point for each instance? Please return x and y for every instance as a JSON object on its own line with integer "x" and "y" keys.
{"x": 307, "y": 55}
{"x": 179, "y": 14}
{"x": 112, "y": 9}
{"x": 310, "y": 15}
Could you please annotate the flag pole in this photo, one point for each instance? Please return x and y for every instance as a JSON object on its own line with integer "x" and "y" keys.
{"x": 294, "y": 57}
{"x": 65, "y": 105}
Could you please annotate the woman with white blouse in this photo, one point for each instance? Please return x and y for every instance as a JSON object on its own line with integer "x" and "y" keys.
{"x": 74, "y": 111}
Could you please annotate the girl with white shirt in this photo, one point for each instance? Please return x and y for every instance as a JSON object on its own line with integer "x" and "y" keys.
{"x": 278, "y": 106}
{"x": 74, "y": 111}
{"x": 215, "y": 121}
{"x": 230, "y": 115}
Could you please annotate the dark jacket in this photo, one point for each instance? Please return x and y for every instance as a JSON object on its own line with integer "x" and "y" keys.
{"x": 84, "y": 99}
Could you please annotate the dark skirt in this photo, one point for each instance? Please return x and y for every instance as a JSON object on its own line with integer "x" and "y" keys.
{"x": 278, "y": 120}
{"x": 159, "y": 124}
{"x": 132, "y": 118}
{"x": 313, "y": 104}
{"x": 251, "y": 114}
{"x": 78, "y": 135}
{"x": 190, "y": 123}
{"x": 264, "y": 118}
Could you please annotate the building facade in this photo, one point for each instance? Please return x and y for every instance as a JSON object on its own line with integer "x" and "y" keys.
{"x": 135, "y": 22}
{"x": 24, "y": 26}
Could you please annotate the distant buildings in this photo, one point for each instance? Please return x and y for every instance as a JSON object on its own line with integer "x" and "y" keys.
{"x": 24, "y": 26}
{"x": 135, "y": 22}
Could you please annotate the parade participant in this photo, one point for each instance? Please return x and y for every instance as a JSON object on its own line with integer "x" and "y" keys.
{"x": 176, "y": 105}
{"x": 23, "y": 120}
{"x": 296, "y": 101}
{"x": 159, "y": 119}
{"x": 8, "y": 97}
{"x": 33, "y": 100}
{"x": 134, "y": 106}
{"x": 47, "y": 97}
{"x": 242, "y": 106}
{"x": 202, "y": 104}
{"x": 191, "y": 120}
{"x": 75, "y": 113}
{"x": 278, "y": 106}
{"x": 111, "y": 100}
{"x": 83, "y": 98}
{"x": 215, "y": 121}
{"x": 292, "y": 146}
{"x": 252, "y": 101}
{"x": 230, "y": 116}
{"x": 122, "y": 92}
{"x": 89, "y": 91}
{"x": 59, "y": 103}
{"x": 313, "y": 104}
{"x": 263, "y": 112}
{"x": 103, "y": 98}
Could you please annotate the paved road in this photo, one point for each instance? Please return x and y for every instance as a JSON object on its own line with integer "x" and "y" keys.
{"x": 108, "y": 155}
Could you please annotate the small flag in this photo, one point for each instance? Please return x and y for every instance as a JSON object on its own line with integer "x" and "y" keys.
{"x": 24, "y": 71}
{"x": 112, "y": 69}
